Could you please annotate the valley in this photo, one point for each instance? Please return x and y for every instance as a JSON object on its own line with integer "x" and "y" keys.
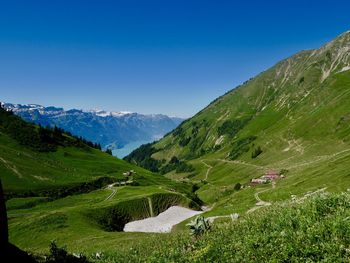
{"x": 291, "y": 118}
{"x": 122, "y": 132}
{"x": 291, "y": 122}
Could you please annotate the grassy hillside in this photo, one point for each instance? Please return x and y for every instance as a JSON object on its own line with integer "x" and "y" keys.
{"x": 60, "y": 188}
{"x": 316, "y": 230}
{"x": 33, "y": 165}
{"x": 89, "y": 222}
{"x": 293, "y": 117}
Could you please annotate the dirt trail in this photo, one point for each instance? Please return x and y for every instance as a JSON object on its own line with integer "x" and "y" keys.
{"x": 242, "y": 163}
{"x": 208, "y": 171}
{"x": 318, "y": 159}
{"x": 261, "y": 203}
{"x": 307, "y": 195}
{"x": 114, "y": 191}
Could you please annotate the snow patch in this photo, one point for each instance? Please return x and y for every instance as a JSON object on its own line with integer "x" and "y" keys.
{"x": 103, "y": 113}
{"x": 163, "y": 223}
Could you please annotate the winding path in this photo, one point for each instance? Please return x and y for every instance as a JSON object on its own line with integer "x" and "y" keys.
{"x": 242, "y": 163}
{"x": 260, "y": 203}
{"x": 114, "y": 191}
{"x": 208, "y": 171}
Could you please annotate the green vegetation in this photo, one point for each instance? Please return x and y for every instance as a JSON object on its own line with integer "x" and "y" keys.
{"x": 241, "y": 146}
{"x": 142, "y": 157}
{"x": 73, "y": 192}
{"x": 114, "y": 218}
{"x": 316, "y": 230}
{"x": 199, "y": 226}
{"x": 60, "y": 255}
{"x": 177, "y": 165}
{"x": 40, "y": 162}
{"x": 232, "y": 127}
{"x": 292, "y": 118}
{"x": 109, "y": 151}
{"x": 38, "y": 138}
{"x": 256, "y": 152}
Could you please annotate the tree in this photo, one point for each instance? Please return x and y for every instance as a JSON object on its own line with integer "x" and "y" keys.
{"x": 174, "y": 160}
{"x": 237, "y": 186}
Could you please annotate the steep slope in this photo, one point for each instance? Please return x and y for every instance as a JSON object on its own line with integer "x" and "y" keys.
{"x": 294, "y": 118}
{"x": 110, "y": 129}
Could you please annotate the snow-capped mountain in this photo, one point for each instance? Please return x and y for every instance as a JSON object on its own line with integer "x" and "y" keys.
{"x": 110, "y": 129}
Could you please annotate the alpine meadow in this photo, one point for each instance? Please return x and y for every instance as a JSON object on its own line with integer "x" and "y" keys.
{"x": 261, "y": 174}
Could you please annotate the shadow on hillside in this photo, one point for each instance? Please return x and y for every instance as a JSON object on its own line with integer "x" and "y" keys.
{"x": 9, "y": 252}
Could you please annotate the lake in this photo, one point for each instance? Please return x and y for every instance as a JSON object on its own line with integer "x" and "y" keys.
{"x": 128, "y": 148}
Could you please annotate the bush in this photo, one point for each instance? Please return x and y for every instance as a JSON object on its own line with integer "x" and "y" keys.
{"x": 60, "y": 255}
{"x": 109, "y": 151}
{"x": 237, "y": 187}
{"x": 199, "y": 226}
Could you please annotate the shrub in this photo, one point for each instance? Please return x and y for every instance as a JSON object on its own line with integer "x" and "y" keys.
{"x": 199, "y": 226}
{"x": 60, "y": 255}
{"x": 109, "y": 151}
{"x": 237, "y": 186}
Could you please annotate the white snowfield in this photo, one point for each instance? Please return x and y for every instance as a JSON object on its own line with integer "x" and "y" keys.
{"x": 163, "y": 223}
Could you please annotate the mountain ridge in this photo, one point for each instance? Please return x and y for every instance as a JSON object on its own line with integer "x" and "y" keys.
{"x": 110, "y": 129}
{"x": 293, "y": 116}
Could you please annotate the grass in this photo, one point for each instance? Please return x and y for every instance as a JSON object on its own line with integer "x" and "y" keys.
{"x": 316, "y": 230}
{"x": 61, "y": 195}
{"x": 302, "y": 127}
{"x": 300, "y": 122}
{"x": 78, "y": 219}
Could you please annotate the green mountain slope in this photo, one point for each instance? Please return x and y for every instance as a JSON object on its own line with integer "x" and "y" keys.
{"x": 30, "y": 162}
{"x": 294, "y": 118}
{"x": 60, "y": 188}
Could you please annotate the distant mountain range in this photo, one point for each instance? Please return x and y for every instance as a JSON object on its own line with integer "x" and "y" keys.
{"x": 113, "y": 130}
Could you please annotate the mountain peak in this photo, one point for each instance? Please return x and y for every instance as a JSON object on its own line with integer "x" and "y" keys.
{"x": 103, "y": 113}
{"x": 340, "y": 42}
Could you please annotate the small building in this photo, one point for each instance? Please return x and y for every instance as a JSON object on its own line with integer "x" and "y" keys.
{"x": 129, "y": 173}
{"x": 271, "y": 175}
{"x": 258, "y": 181}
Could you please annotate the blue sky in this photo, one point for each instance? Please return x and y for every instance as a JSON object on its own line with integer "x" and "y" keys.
{"x": 171, "y": 57}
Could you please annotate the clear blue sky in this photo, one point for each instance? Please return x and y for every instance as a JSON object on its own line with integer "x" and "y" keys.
{"x": 171, "y": 57}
